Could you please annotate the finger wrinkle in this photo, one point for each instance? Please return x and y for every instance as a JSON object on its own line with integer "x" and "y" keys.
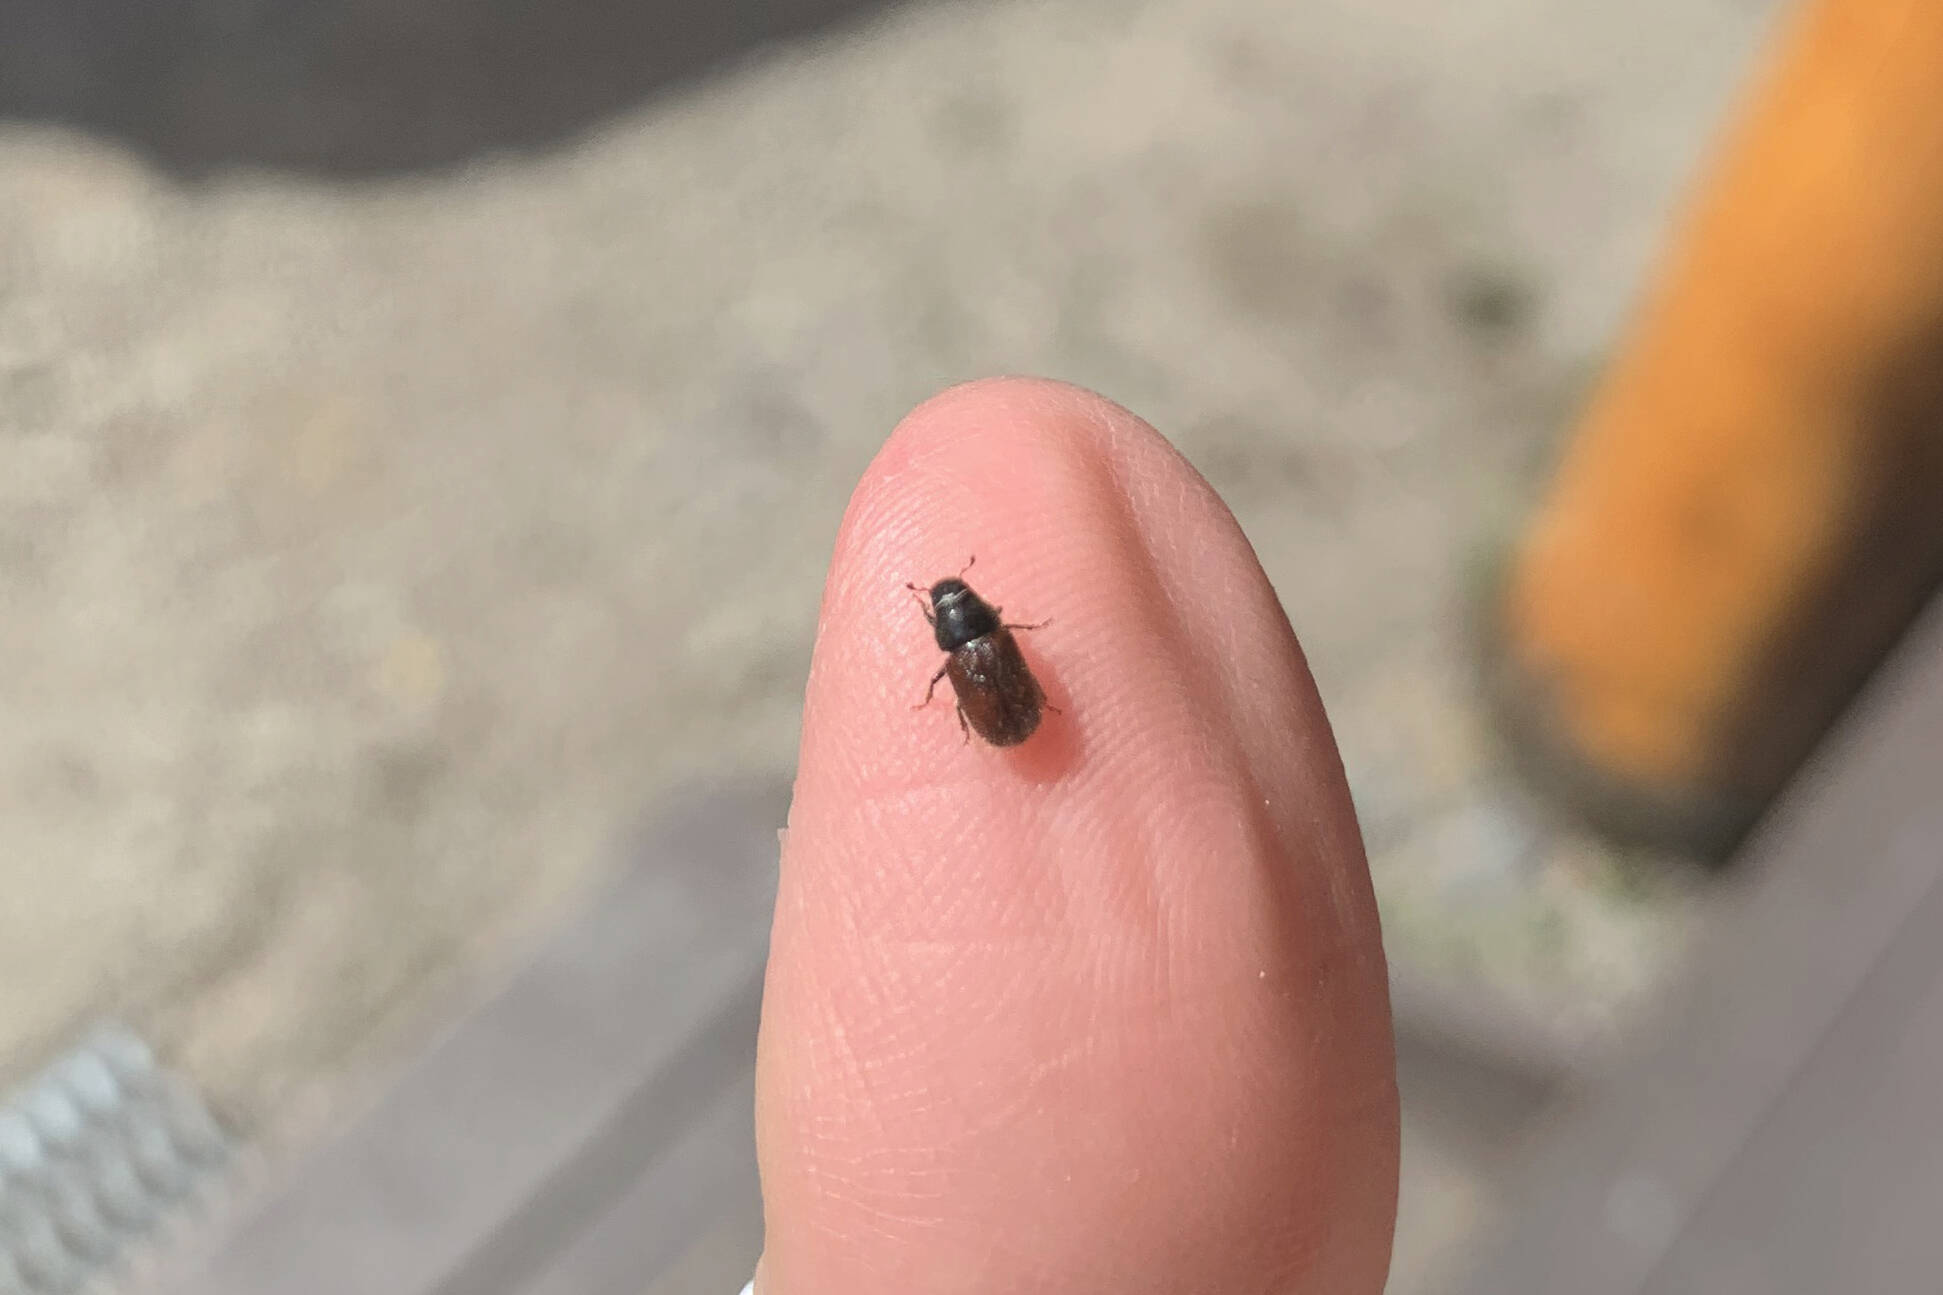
{"x": 941, "y": 885}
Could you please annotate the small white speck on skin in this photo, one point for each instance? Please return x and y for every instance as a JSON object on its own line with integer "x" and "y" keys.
{"x": 1261, "y": 975}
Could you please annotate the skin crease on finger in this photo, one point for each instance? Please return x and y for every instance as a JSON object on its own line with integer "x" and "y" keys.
{"x": 1106, "y": 1011}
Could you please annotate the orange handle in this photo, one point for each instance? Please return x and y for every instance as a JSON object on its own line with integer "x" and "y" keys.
{"x": 1752, "y": 507}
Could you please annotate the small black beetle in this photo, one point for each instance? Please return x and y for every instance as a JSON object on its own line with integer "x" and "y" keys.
{"x": 997, "y": 695}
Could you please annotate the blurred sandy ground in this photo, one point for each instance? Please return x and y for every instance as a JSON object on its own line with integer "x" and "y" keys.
{"x": 374, "y": 546}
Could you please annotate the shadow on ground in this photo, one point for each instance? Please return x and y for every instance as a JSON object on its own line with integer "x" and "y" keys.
{"x": 366, "y": 87}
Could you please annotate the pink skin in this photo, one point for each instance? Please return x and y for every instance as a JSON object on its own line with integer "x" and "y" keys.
{"x": 1106, "y": 1012}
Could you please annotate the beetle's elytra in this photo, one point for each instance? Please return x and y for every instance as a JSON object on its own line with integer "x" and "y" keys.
{"x": 997, "y": 696}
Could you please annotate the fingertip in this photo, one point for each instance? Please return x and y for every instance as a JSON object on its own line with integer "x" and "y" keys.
{"x": 1073, "y": 507}
{"x": 1167, "y": 871}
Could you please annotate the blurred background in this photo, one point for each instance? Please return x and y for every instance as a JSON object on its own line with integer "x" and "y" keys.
{"x": 423, "y": 427}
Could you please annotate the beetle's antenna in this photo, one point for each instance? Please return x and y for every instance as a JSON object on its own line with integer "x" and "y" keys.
{"x": 968, "y": 566}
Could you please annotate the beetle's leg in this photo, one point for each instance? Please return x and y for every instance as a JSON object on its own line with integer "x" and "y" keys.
{"x": 1041, "y": 625}
{"x": 963, "y": 726}
{"x": 934, "y": 687}
{"x": 1040, "y": 692}
{"x": 923, "y": 606}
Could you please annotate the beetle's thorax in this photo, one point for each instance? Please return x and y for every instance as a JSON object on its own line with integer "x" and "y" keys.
{"x": 961, "y": 615}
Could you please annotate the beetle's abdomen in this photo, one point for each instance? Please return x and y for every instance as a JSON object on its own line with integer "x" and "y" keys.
{"x": 996, "y": 691}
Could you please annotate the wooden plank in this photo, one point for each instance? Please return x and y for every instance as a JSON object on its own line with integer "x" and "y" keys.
{"x": 1818, "y": 900}
{"x": 649, "y": 1178}
{"x": 694, "y": 1188}
{"x": 536, "y": 1113}
{"x": 1463, "y": 1111}
{"x": 718, "y": 1261}
{"x": 1840, "y": 1187}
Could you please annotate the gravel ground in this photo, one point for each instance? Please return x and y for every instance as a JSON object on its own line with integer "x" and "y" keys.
{"x": 375, "y": 540}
